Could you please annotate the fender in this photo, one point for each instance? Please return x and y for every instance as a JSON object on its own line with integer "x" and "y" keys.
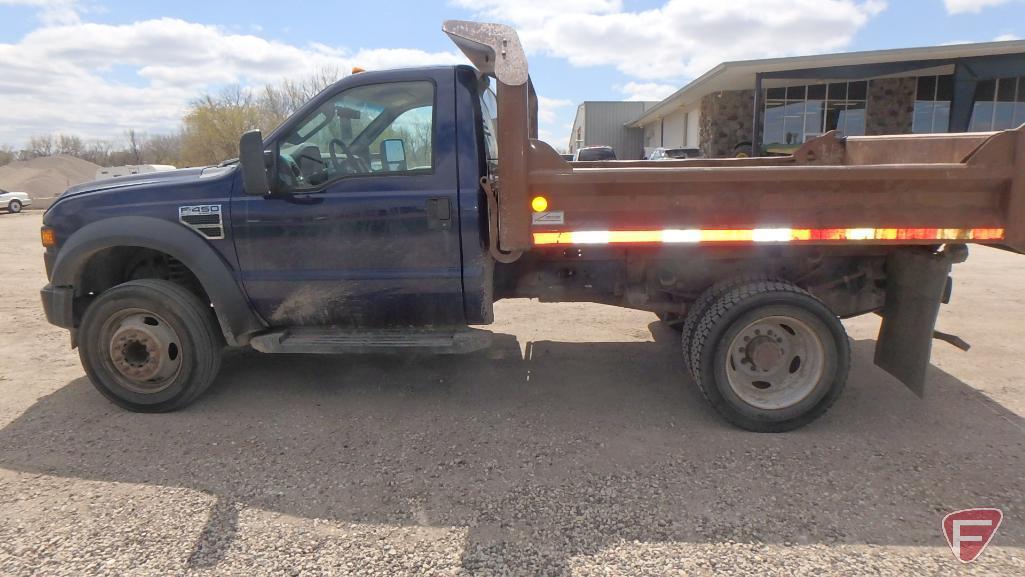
{"x": 231, "y": 305}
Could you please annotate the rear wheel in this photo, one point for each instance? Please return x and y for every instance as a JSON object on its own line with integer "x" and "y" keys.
{"x": 770, "y": 357}
{"x": 14, "y": 206}
{"x": 697, "y": 310}
{"x": 150, "y": 345}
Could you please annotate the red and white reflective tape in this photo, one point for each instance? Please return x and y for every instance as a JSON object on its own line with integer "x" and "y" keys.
{"x": 764, "y": 235}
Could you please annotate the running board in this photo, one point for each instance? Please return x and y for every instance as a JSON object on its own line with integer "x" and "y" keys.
{"x": 338, "y": 341}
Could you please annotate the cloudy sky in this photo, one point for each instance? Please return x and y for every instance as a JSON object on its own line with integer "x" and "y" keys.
{"x": 97, "y": 67}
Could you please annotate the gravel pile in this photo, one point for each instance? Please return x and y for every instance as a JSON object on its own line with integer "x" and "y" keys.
{"x": 44, "y": 178}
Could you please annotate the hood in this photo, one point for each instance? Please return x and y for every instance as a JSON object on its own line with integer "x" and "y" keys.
{"x": 180, "y": 176}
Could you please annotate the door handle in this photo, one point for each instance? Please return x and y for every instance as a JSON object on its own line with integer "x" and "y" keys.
{"x": 439, "y": 213}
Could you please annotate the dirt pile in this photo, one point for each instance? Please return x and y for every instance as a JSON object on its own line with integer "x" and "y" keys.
{"x": 44, "y": 178}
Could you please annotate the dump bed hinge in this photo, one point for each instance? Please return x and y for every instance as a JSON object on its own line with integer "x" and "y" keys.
{"x": 490, "y": 186}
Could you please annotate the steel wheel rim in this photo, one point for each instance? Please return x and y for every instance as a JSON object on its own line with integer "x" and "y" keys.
{"x": 15, "y": 206}
{"x": 775, "y": 362}
{"x": 143, "y": 352}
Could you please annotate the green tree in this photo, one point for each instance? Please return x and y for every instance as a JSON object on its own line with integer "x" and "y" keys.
{"x": 214, "y": 124}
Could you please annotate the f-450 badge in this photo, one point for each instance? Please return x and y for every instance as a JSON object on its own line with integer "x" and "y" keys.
{"x": 204, "y": 219}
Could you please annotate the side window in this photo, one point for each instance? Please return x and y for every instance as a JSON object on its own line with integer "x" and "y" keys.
{"x": 414, "y": 129}
{"x": 374, "y": 129}
{"x": 489, "y": 112}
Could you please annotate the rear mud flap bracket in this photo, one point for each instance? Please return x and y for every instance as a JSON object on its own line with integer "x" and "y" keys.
{"x": 917, "y": 282}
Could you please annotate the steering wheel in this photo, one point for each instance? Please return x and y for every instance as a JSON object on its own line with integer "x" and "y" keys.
{"x": 355, "y": 163}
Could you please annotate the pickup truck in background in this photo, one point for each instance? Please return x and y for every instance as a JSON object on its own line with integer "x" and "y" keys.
{"x": 594, "y": 153}
{"x": 392, "y": 211}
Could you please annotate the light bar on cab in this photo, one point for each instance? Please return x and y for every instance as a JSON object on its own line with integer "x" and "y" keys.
{"x": 764, "y": 235}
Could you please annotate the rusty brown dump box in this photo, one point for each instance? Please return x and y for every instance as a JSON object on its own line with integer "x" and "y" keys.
{"x": 897, "y": 189}
{"x": 903, "y": 190}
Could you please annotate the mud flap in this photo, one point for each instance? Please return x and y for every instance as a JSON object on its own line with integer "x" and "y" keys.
{"x": 915, "y": 287}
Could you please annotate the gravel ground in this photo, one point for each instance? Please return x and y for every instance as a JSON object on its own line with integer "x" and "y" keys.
{"x": 575, "y": 446}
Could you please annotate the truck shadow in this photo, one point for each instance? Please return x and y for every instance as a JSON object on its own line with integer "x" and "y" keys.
{"x": 574, "y": 448}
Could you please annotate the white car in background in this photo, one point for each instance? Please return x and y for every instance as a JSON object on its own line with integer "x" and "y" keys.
{"x": 14, "y": 201}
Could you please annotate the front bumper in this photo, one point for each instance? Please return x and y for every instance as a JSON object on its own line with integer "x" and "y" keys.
{"x": 58, "y": 305}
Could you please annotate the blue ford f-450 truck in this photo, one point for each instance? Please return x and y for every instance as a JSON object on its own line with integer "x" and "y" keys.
{"x": 394, "y": 209}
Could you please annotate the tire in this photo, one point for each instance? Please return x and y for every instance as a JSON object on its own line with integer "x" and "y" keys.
{"x": 150, "y": 345}
{"x": 767, "y": 380}
{"x": 14, "y": 206}
{"x": 698, "y": 309}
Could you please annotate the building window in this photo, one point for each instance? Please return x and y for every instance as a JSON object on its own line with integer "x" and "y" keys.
{"x": 795, "y": 114}
{"x": 999, "y": 105}
{"x": 932, "y": 104}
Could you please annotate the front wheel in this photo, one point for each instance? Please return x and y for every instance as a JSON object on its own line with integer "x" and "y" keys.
{"x": 14, "y": 206}
{"x": 770, "y": 356}
{"x": 150, "y": 345}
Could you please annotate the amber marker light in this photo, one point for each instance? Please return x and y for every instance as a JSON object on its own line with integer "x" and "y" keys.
{"x": 539, "y": 204}
{"x": 48, "y": 237}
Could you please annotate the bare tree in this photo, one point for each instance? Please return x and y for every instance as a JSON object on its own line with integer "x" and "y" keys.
{"x": 133, "y": 145}
{"x": 39, "y": 146}
{"x": 280, "y": 101}
{"x": 7, "y": 154}
{"x": 68, "y": 144}
{"x": 162, "y": 149}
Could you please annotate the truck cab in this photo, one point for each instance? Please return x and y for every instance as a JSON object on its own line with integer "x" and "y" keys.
{"x": 372, "y": 215}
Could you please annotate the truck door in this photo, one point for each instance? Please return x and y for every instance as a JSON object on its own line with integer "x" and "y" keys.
{"x": 362, "y": 229}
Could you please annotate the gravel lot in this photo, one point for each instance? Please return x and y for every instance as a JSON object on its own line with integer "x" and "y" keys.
{"x": 575, "y": 446}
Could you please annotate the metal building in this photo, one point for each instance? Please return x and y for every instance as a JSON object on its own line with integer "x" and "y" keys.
{"x": 604, "y": 123}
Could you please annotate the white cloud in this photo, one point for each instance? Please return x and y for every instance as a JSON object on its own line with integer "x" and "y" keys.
{"x": 1006, "y": 37}
{"x": 96, "y": 80}
{"x": 682, "y": 38}
{"x": 50, "y": 11}
{"x": 548, "y": 108}
{"x": 647, "y": 90}
{"x": 974, "y": 6}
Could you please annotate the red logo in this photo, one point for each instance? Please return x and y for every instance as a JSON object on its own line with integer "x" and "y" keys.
{"x": 968, "y": 531}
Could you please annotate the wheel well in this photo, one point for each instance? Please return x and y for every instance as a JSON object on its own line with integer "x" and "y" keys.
{"x": 113, "y": 266}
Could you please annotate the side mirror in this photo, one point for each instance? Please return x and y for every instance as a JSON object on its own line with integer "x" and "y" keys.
{"x": 393, "y": 154}
{"x": 252, "y": 161}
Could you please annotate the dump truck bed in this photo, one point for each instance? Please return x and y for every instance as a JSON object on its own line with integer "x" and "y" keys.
{"x": 893, "y": 189}
{"x": 915, "y": 189}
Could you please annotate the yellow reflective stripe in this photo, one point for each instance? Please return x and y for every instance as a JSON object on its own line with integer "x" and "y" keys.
{"x": 766, "y": 235}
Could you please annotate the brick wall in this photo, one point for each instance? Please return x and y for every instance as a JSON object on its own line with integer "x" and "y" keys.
{"x": 726, "y": 121}
{"x": 891, "y": 106}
